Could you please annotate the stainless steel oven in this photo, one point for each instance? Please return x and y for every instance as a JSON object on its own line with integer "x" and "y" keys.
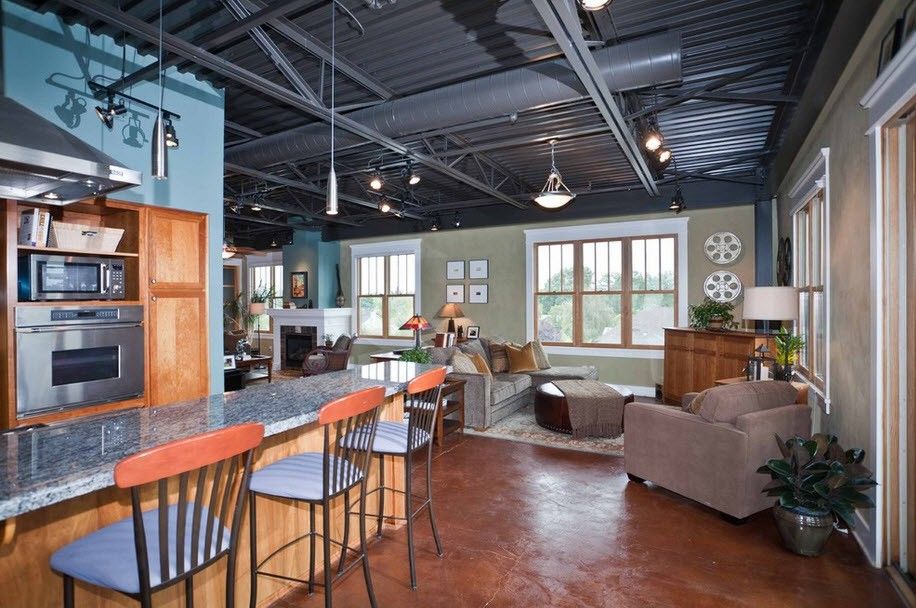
{"x": 72, "y": 356}
{"x": 70, "y": 277}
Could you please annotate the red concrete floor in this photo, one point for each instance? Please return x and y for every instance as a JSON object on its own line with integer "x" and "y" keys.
{"x": 525, "y": 525}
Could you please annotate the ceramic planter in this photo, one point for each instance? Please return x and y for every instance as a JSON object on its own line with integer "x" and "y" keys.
{"x": 715, "y": 324}
{"x": 803, "y": 531}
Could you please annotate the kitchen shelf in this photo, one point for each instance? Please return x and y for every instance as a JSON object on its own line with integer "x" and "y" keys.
{"x": 116, "y": 254}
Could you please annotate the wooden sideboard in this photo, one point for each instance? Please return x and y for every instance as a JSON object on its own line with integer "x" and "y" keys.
{"x": 695, "y": 359}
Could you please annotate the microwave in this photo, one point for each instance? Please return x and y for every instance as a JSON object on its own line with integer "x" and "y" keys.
{"x": 70, "y": 277}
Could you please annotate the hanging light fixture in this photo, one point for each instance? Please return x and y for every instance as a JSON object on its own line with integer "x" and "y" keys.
{"x": 554, "y": 194}
{"x": 678, "y": 203}
{"x": 107, "y": 114}
{"x": 160, "y": 159}
{"x": 227, "y": 253}
{"x": 594, "y": 5}
{"x": 171, "y": 137}
{"x": 377, "y": 181}
{"x": 653, "y": 139}
{"x": 435, "y": 225}
{"x": 664, "y": 155}
{"x": 457, "y": 220}
{"x": 413, "y": 178}
{"x": 332, "y": 207}
{"x": 384, "y": 205}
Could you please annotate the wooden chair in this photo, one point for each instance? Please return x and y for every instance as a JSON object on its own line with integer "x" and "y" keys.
{"x": 155, "y": 549}
{"x": 323, "y": 360}
{"x": 316, "y": 478}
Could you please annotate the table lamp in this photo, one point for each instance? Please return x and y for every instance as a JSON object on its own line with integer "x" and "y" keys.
{"x": 416, "y": 324}
{"x": 770, "y": 304}
{"x": 450, "y": 311}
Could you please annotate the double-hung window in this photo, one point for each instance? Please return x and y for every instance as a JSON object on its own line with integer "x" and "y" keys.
{"x": 618, "y": 292}
{"x": 385, "y": 280}
{"x": 809, "y": 280}
{"x": 266, "y": 277}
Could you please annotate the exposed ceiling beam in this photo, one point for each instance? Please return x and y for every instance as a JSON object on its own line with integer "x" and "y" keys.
{"x": 139, "y": 28}
{"x": 273, "y": 52}
{"x": 563, "y": 21}
{"x": 716, "y": 178}
{"x": 735, "y": 97}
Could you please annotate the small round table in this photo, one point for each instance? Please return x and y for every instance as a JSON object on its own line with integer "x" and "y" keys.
{"x": 551, "y": 410}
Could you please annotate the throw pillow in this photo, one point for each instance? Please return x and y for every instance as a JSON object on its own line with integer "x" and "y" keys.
{"x": 696, "y": 403}
{"x": 499, "y": 360}
{"x": 472, "y": 347}
{"x": 462, "y": 364}
{"x": 521, "y": 359}
{"x": 540, "y": 356}
{"x": 481, "y": 364}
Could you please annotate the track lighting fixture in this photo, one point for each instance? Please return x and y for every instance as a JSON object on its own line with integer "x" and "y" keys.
{"x": 384, "y": 205}
{"x": 376, "y": 182}
{"x": 255, "y": 206}
{"x": 435, "y": 225}
{"x": 652, "y": 140}
{"x": 413, "y": 178}
{"x": 678, "y": 203}
{"x": 106, "y": 114}
{"x": 664, "y": 155}
{"x": 457, "y": 220}
{"x": 554, "y": 194}
{"x": 171, "y": 138}
{"x": 594, "y": 5}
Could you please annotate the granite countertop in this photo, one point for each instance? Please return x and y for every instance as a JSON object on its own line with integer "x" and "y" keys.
{"x": 48, "y": 465}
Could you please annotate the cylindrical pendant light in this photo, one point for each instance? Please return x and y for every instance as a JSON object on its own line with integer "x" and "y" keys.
{"x": 332, "y": 208}
{"x": 160, "y": 159}
{"x": 332, "y": 192}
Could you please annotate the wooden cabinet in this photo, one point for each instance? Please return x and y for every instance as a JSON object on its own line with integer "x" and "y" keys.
{"x": 177, "y": 306}
{"x": 695, "y": 359}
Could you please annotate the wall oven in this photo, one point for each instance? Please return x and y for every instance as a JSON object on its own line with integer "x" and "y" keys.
{"x": 70, "y": 277}
{"x": 68, "y": 356}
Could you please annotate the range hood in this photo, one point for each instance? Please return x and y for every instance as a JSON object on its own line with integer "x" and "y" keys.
{"x": 40, "y": 162}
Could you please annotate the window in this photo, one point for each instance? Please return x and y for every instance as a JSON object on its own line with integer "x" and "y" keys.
{"x": 809, "y": 279}
{"x": 385, "y": 277}
{"x": 609, "y": 292}
{"x": 266, "y": 277}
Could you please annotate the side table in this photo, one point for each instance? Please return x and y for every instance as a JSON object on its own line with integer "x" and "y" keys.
{"x": 452, "y": 402}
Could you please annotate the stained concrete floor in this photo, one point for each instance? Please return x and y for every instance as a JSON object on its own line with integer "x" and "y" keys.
{"x": 525, "y": 525}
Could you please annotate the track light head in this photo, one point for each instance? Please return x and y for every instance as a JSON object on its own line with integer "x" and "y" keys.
{"x": 435, "y": 225}
{"x": 413, "y": 178}
{"x": 652, "y": 140}
{"x": 457, "y": 220}
{"x": 384, "y": 205}
{"x": 678, "y": 204}
{"x": 171, "y": 138}
{"x": 104, "y": 116}
{"x": 376, "y": 182}
{"x": 664, "y": 155}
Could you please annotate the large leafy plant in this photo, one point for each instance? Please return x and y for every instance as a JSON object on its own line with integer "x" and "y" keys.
{"x": 787, "y": 347}
{"x": 702, "y": 314}
{"x": 818, "y": 475}
{"x": 262, "y": 294}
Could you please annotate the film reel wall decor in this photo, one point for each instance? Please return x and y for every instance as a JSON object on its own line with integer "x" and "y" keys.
{"x": 722, "y": 286}
{"x": 722, "y": 247}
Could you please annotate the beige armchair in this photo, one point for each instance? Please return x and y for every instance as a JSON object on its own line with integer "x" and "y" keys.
{"x": 712, "y": 456}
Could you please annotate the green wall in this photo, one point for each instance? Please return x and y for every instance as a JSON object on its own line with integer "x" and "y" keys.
{"x": 504, "y": 247}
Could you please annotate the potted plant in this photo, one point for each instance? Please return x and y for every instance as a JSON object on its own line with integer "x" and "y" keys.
{"x": 787, "y": 348}
{"x": 712, "y": 315}
{"x": 817, "y": 484}
{"x": 260, "y": 296}
{"x": 416, "y": 355}
{"x": 328, "y": 340}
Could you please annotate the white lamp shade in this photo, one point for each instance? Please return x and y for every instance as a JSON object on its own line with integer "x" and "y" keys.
{"x": 771, "y": 304}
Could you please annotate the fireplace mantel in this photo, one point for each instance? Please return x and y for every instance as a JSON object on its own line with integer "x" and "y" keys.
{"x": 333, "y": 321}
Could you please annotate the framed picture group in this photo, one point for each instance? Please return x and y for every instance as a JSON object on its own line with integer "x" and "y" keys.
{"x": 460, "y": 270}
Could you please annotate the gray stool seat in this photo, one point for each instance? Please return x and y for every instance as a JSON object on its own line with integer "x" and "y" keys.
{"x": 301, "y": 477}
{"x": 391, "y": 438}
{"x": 108, "y": 557}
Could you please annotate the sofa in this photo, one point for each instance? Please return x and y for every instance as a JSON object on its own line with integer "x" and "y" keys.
{"x": 490, "y": 398}
{"x": 709, "y": 450}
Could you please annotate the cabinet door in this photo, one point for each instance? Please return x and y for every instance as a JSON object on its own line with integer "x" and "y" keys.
{"x": 178, "y": 347}
{"x": 733, "y": 356}
{"x": 177, "y": 249}
{"x": 704, "y": 361}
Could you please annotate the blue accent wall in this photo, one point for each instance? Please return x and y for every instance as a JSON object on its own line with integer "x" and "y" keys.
{"x": 310, "y": 254}
{"x": 46, "y": 66}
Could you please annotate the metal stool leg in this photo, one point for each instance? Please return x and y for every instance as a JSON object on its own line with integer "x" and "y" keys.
{"x": 429, "y": 498}
{"x": 326, "y": 546}
{"x": 381, "y": 494}
{"x": 363, "y": 547}
{"x": 311, "y": 548}
{"x": 253, "y": 550}
{"x": 189, "y": 591}
{"x": 346, "y": 532}
{"x": 68, "y": 592}
{"x": 408, "y": 507}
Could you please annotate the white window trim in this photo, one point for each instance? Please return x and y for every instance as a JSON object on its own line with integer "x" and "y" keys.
{"x": 815, "y": 178}
{"x": 260, "y": 260}
{"x": 386, "y": 248}
{"x": 677, "y": 226}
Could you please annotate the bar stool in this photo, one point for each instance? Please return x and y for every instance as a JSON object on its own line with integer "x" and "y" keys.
{"x": 316, "y": 478}
{"x": 154, "y": 549}
{"x": 424, "y": 398}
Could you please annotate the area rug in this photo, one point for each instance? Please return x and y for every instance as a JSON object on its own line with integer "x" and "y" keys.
{"x": 520, "y": 426}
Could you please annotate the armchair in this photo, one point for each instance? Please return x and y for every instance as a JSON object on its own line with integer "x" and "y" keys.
{"x": 323, "y": 360}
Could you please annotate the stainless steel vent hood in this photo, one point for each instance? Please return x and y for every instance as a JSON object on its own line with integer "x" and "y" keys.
{"x": 41, "y": 162}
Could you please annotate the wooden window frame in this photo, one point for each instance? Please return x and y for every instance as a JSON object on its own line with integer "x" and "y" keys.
{"x": 626, "y": 291}
{"x": 252, "y": 286}
{"x": 809, "y": 368}
{"x": 386, "y": 295}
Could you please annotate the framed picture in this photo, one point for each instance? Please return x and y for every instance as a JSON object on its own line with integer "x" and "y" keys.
{"x": 229, "y": 362}
{"x": 909, "y": 22}
{"x": 479, "y": 269}
{"x": 473, "y": 332}
{"x": 478, "y": 294}
{"x": 454, "y": 270}
{"x": 454, "y": 294}
{"x": 889, "y": 45}
{"x": 298, "y": 284}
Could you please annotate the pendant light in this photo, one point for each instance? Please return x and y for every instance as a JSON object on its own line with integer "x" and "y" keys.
{"x": 160, "y": 168}
{"x": 332, "y": 208}
{"x": 594, "y": 5}
{"x": 554, "y": 194}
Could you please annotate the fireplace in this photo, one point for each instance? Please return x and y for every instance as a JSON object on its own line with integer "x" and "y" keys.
{"x": 296, "y": 345}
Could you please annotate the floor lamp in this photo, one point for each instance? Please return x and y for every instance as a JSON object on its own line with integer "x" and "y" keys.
{"x": 256, "y": 309}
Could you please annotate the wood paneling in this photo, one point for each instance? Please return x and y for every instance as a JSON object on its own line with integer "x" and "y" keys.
{"x": 178, "y": 251}
{"x": 695, "y": 359}
{"x": 27, "y": 576}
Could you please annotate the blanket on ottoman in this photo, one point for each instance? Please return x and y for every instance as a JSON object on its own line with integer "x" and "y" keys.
{"x": 595, "y": 409}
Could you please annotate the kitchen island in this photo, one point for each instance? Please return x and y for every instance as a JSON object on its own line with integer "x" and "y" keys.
{"x": 57, "y": 484}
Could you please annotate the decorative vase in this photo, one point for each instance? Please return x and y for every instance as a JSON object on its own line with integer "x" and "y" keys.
{"x": 339, "y": 300}
{"x": 803, "y": 531}
{"x": 783, "y": 372}
{"x": 715, "y": 324}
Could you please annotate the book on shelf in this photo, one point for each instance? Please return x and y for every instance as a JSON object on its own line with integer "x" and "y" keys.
{"x": 34, "y": 228}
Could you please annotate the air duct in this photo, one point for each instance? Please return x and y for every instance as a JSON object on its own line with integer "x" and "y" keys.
{"x": 637, "y": 64}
